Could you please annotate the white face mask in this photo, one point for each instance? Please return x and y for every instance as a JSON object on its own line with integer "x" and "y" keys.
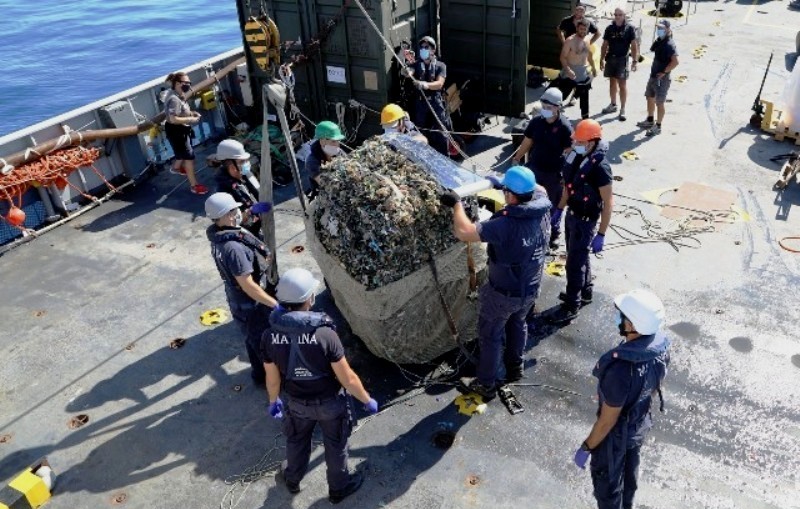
{"x": 545, "y": 113}
{"x": 579, "y": 149}
{"x": 245, "y": 169}
{"x": 389, "y": 129}
{"x": 330, "y": 150}
{"x": 237, "y": 218}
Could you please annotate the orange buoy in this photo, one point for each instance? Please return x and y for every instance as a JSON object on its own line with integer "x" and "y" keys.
{"x": 16, "y": 216}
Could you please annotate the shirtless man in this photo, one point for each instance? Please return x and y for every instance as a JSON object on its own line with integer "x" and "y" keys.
{"x": 574, "y": 73}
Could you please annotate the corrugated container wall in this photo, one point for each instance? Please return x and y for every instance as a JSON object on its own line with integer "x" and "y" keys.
{"x": 545, "y": 48}
{"x": 353, "y": 62}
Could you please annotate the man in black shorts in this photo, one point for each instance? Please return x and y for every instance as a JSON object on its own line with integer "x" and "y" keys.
{"x": 619, "y": 42}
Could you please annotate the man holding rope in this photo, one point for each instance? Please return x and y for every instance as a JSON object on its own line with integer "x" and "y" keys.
{"x": 428, "y": 75}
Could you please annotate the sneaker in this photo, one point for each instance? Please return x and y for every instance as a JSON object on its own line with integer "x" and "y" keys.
{"x": 353, "y": 484}
{"x": 622, "y": 117}
{"x": 177, "y": 171}
{"x": 563, "y": 316}
{"x": 646, "y": 124}
{"x": 586, "y": 297}
{"x": 199, "y": 189}
{"x": 611, "y": 108}
{"x": 656, "y": 129}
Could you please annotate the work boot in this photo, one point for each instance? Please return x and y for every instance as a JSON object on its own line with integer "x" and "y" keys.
{"x": 293, "y": 487}
{"x": 485, "y": 392}
{"x": 515, "y": 373}
{"x": 586, "y": 297}
{"x": 353, "y": 484}
{"x": 564, "y": 315}
{"x": 611, "y": 108}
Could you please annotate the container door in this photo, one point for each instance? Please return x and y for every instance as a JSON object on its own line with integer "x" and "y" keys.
{"x": 485, "y": 42}
{"x": 544, "y": 48}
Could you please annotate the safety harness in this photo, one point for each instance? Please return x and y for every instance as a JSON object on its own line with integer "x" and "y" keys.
{"x": 583, "y": 199}
{"x": 261, "y": 263}
{"x": 296, "y": 325}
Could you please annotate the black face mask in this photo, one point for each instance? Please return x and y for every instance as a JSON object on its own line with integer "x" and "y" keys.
{"x": 186, "y": 87}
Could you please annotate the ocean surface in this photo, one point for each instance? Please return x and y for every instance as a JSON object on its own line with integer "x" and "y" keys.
{"x": 58, "y": 55}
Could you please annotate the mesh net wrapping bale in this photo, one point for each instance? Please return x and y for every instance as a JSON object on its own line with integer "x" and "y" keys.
{"x": 371, "y": 231}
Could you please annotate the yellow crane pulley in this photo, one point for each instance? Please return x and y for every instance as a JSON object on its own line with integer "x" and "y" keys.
{"x": 264, "y": 41}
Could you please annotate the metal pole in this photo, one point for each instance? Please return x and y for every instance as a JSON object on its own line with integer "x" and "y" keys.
{"x": 276, "y": 92}
{"x": 265, "y": 192}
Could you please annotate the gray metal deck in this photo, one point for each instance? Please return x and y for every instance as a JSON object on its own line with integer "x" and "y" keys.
{"x": 88, "y": 311}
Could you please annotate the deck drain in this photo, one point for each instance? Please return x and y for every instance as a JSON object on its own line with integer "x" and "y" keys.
{"x": 4, "y": 439}
{"x": 443, "y": 439}
{"x": 130, "y": 347}
{"x": 237, "y": 387}
{"x": 298, "y": 249}
{"x": 177, "y": 343}
{"x": 473, "y": 480}
{"x": 119, "y": 499}
{"x": 78, "y": 421}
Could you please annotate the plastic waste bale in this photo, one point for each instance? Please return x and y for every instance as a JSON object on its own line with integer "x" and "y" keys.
{"x": 372, "y": 230}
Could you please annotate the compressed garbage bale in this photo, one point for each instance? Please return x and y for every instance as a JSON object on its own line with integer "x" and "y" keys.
{"x": 372, "y": 230}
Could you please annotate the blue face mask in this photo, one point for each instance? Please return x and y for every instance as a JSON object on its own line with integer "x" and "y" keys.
{"x": 424, "y": 53}
{"x": 245, "y": 169}
{"x": 545, "y": 113}
{"x": 579, "y": 149}
{"x": 660, "y": 33}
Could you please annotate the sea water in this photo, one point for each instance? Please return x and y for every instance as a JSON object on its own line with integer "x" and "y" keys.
{"x": 58, "y": 55}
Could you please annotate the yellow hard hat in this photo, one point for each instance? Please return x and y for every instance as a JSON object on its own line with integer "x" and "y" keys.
{"x": 391, "y": 113}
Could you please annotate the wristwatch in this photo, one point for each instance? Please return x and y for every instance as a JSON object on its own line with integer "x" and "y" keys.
{"x": 585, "y": 447}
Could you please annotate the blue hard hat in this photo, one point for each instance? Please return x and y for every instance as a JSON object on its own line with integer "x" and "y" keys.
{"x": 519, "y": 180}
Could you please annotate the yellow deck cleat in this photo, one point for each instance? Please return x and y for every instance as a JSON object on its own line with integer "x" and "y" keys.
{"x": 214, "y": 317}
{"x": 470, "y": 404}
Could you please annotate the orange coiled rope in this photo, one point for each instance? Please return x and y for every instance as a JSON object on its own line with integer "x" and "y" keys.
{"x": 54, "y": 168}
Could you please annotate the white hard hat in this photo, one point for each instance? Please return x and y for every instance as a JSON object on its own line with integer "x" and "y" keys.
{"x": 219, "y": 204}
{"x": 643, "y": 308}
{"x": 552, "y": 96}
{"x": 296, "y": 286}
{"x": 231, "y": 149}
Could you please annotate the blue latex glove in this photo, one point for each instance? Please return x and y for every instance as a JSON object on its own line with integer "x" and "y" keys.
{"x": 371, "y": 406}
{"x": 261, "y": 207}
{"x": 597, "y": 243}
{"x": 555, "y": 218}
{"x": 496, "y": 183}
{"x": 581, "y": 457}
{"x": 276, "y": 409}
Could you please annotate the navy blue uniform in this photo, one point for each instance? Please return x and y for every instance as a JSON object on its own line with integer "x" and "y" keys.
{"x": 430, "y": 72}
{"x": 243, "y": 192}
{"x": 303, "y": 345}
{"x": 583, "y": 179}
{"x": 237, "y": 252}
{"x": 546, "y": 157}
{"x": 517, "y": 242}
{"x": 627, "y": 375}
